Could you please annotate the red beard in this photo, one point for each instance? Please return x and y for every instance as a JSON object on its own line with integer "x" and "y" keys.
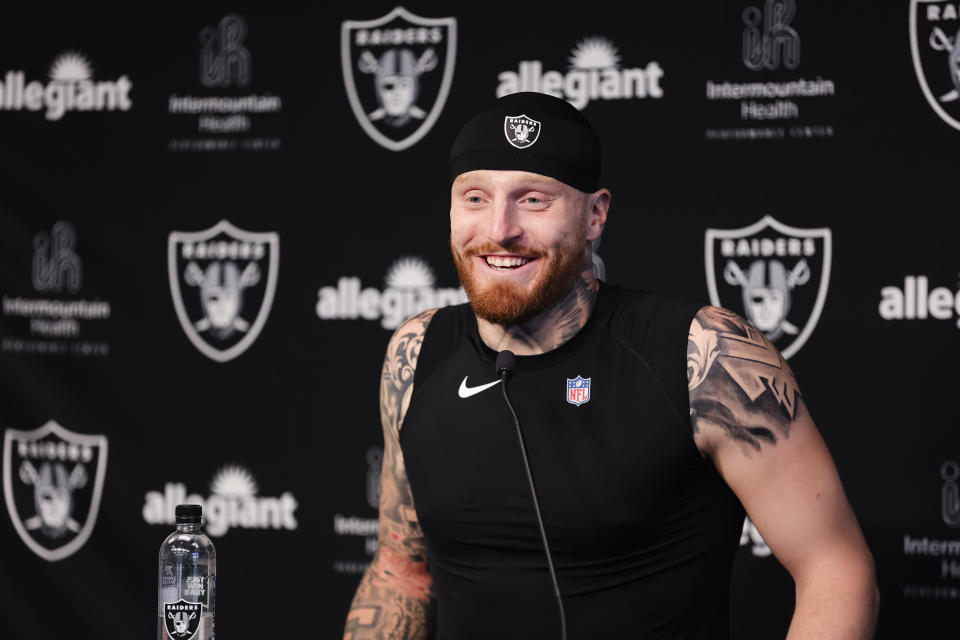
{"x": 510, "y": 303}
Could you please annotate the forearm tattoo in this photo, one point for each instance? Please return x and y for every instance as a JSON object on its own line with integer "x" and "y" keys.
{"x": 738, "y": 381}
{"x": 395, "y": 597}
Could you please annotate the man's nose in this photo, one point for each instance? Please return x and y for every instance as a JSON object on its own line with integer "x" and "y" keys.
{"x": 504, "y": 224}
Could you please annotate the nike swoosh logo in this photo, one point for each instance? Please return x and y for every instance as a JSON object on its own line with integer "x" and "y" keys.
{"x": 466, "y": 392}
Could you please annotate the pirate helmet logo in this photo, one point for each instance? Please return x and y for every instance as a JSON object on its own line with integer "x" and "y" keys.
{"x": 766, "y": 293}
{"x": 774, "y": 275}
{"x": 223, "y": 281}
{"x": 405, "y": 63}
{"x": 935, "y": 48}
{"x": 57, "y": 476}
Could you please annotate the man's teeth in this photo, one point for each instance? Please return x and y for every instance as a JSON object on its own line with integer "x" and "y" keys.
{"x": 506, "y": 262}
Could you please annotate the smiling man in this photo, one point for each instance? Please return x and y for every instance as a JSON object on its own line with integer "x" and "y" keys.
{"x": 651, "y": 425}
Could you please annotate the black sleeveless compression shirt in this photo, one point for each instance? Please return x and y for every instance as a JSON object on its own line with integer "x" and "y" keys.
{"x": 642, "y": 528}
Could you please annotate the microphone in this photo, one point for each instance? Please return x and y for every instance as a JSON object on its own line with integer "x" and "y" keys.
{"x": 506, "y": 361}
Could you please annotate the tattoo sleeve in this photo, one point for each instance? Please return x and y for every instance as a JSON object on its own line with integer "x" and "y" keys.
{"x": 395, "y": 597}
{"x": 738, "y": 381}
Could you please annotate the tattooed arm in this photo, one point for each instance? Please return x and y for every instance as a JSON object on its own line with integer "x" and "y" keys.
{"x": 749, "y": 417}
{"x": 395, "y": 596}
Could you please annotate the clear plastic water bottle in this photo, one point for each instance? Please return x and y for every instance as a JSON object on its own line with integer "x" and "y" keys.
{"x": 188, "y": 580}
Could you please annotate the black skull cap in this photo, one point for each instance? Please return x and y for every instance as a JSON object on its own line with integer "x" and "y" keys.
{"x": 532, "y": 132}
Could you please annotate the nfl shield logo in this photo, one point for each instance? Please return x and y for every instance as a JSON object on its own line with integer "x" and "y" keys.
{"x": 398, "y": 70}
{"x": 52, "y": 482}
{"x": 935, "y": 47}
{"x": 774, "y": 275}
{"x": 222, "y": 280}
{"x": 578, "y": 390}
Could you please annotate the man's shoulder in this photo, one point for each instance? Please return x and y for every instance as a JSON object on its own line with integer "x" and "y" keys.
{"x": 637, "y": 315}
{"x": 411, "y": 330}
{"x": 407, "y": 362}
{"x": 407, "y": 340}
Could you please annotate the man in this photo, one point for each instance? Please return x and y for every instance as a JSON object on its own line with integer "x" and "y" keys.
{"x": 648, "y": 423}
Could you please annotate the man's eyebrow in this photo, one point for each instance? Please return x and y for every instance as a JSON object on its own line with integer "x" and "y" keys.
{"x": 544, "y": 186}
{"x": 462, "y": 182}
{"x": 530, "y": 184}
{"x": 539, "y": 184}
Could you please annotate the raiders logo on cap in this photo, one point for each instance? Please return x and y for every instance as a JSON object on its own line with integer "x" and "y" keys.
{"x": 521, "y": 131}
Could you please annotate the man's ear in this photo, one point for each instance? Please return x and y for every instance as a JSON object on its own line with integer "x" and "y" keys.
{"x": 598, "y": 204}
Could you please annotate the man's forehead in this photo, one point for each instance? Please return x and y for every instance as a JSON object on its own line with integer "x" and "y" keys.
{"x": 508, "y": 177}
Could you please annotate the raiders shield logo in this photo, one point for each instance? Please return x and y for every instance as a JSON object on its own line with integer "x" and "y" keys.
{"x": 935, "y": 46}
{"x": 222, "y": 281}
{"x": 397, "y": 70}
{"x": 521, "y": 131}
{"x": 774, "y": 275}
{"x": 182, "y": 619}
{"x": 52, "y": 482}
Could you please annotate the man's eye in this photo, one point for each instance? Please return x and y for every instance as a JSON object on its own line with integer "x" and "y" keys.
{"x": 533, "y": 200}
{"x": 473, "y": 199}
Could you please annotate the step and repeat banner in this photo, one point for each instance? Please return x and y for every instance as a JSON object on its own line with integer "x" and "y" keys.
{"x": 212, "y": 220}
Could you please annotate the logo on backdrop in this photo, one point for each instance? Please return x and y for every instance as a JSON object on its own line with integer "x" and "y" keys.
{"x": 594, "y": 74}
{"x": 750, "y": 537}
{"x": 56, "y": 266}
{"x": 917, "y": 301}
{"x": 950, "y": 495}
{"x": 223, "y": 280}
{"x": 225, "y": 110}
{"x": 358, "y": 526}
{"x": 521, "y": 131}
{"x": 53, "y": 482}
{"x": 71, "y": 88}
{"x": 233, "y": 503}
{"x": 936, "y": 568}
{"x": 935, "y": 46}
{"x": 224, "y": 61}
{"x": 182, "y": 618}
{"x": 770, "y": 100}
{"x": 409, "y": 290}
{"x": 774, "y": 275}
{"x": 768, "y": 39}
{"x": 55, "y": 319}
{"x": 397, "y": 70}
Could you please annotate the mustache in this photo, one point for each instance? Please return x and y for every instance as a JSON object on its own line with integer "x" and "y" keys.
{"x": 513, "y": 248}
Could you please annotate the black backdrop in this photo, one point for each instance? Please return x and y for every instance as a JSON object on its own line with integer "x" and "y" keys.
{"x": 832, "y": 120}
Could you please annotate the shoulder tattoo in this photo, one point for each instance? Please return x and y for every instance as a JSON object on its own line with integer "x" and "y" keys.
{"x": 738, "y": 381}
{"x": 399, "y": 365}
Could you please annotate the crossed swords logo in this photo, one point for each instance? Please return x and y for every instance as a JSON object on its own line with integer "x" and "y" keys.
{"x": 49, "y": 493}
{"x": 391, "y": 85}
{"x": 181, "y": 622}
{"x": 211, "y": 293}
{"x": 940, "y": 41}
{"x": 799, "y": 275}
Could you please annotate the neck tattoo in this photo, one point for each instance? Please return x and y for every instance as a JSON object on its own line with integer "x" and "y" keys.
{"x": 552, "y": 328}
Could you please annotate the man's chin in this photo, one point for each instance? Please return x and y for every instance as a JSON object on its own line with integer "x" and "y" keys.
{"x": 507, "y": 301}
{"x": 505, "y": 304}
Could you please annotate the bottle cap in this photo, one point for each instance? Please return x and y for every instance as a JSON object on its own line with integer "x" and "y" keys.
{"x": 188, "y": 512}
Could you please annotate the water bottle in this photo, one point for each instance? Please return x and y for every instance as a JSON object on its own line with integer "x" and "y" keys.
{"x": 188, "y": 580}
